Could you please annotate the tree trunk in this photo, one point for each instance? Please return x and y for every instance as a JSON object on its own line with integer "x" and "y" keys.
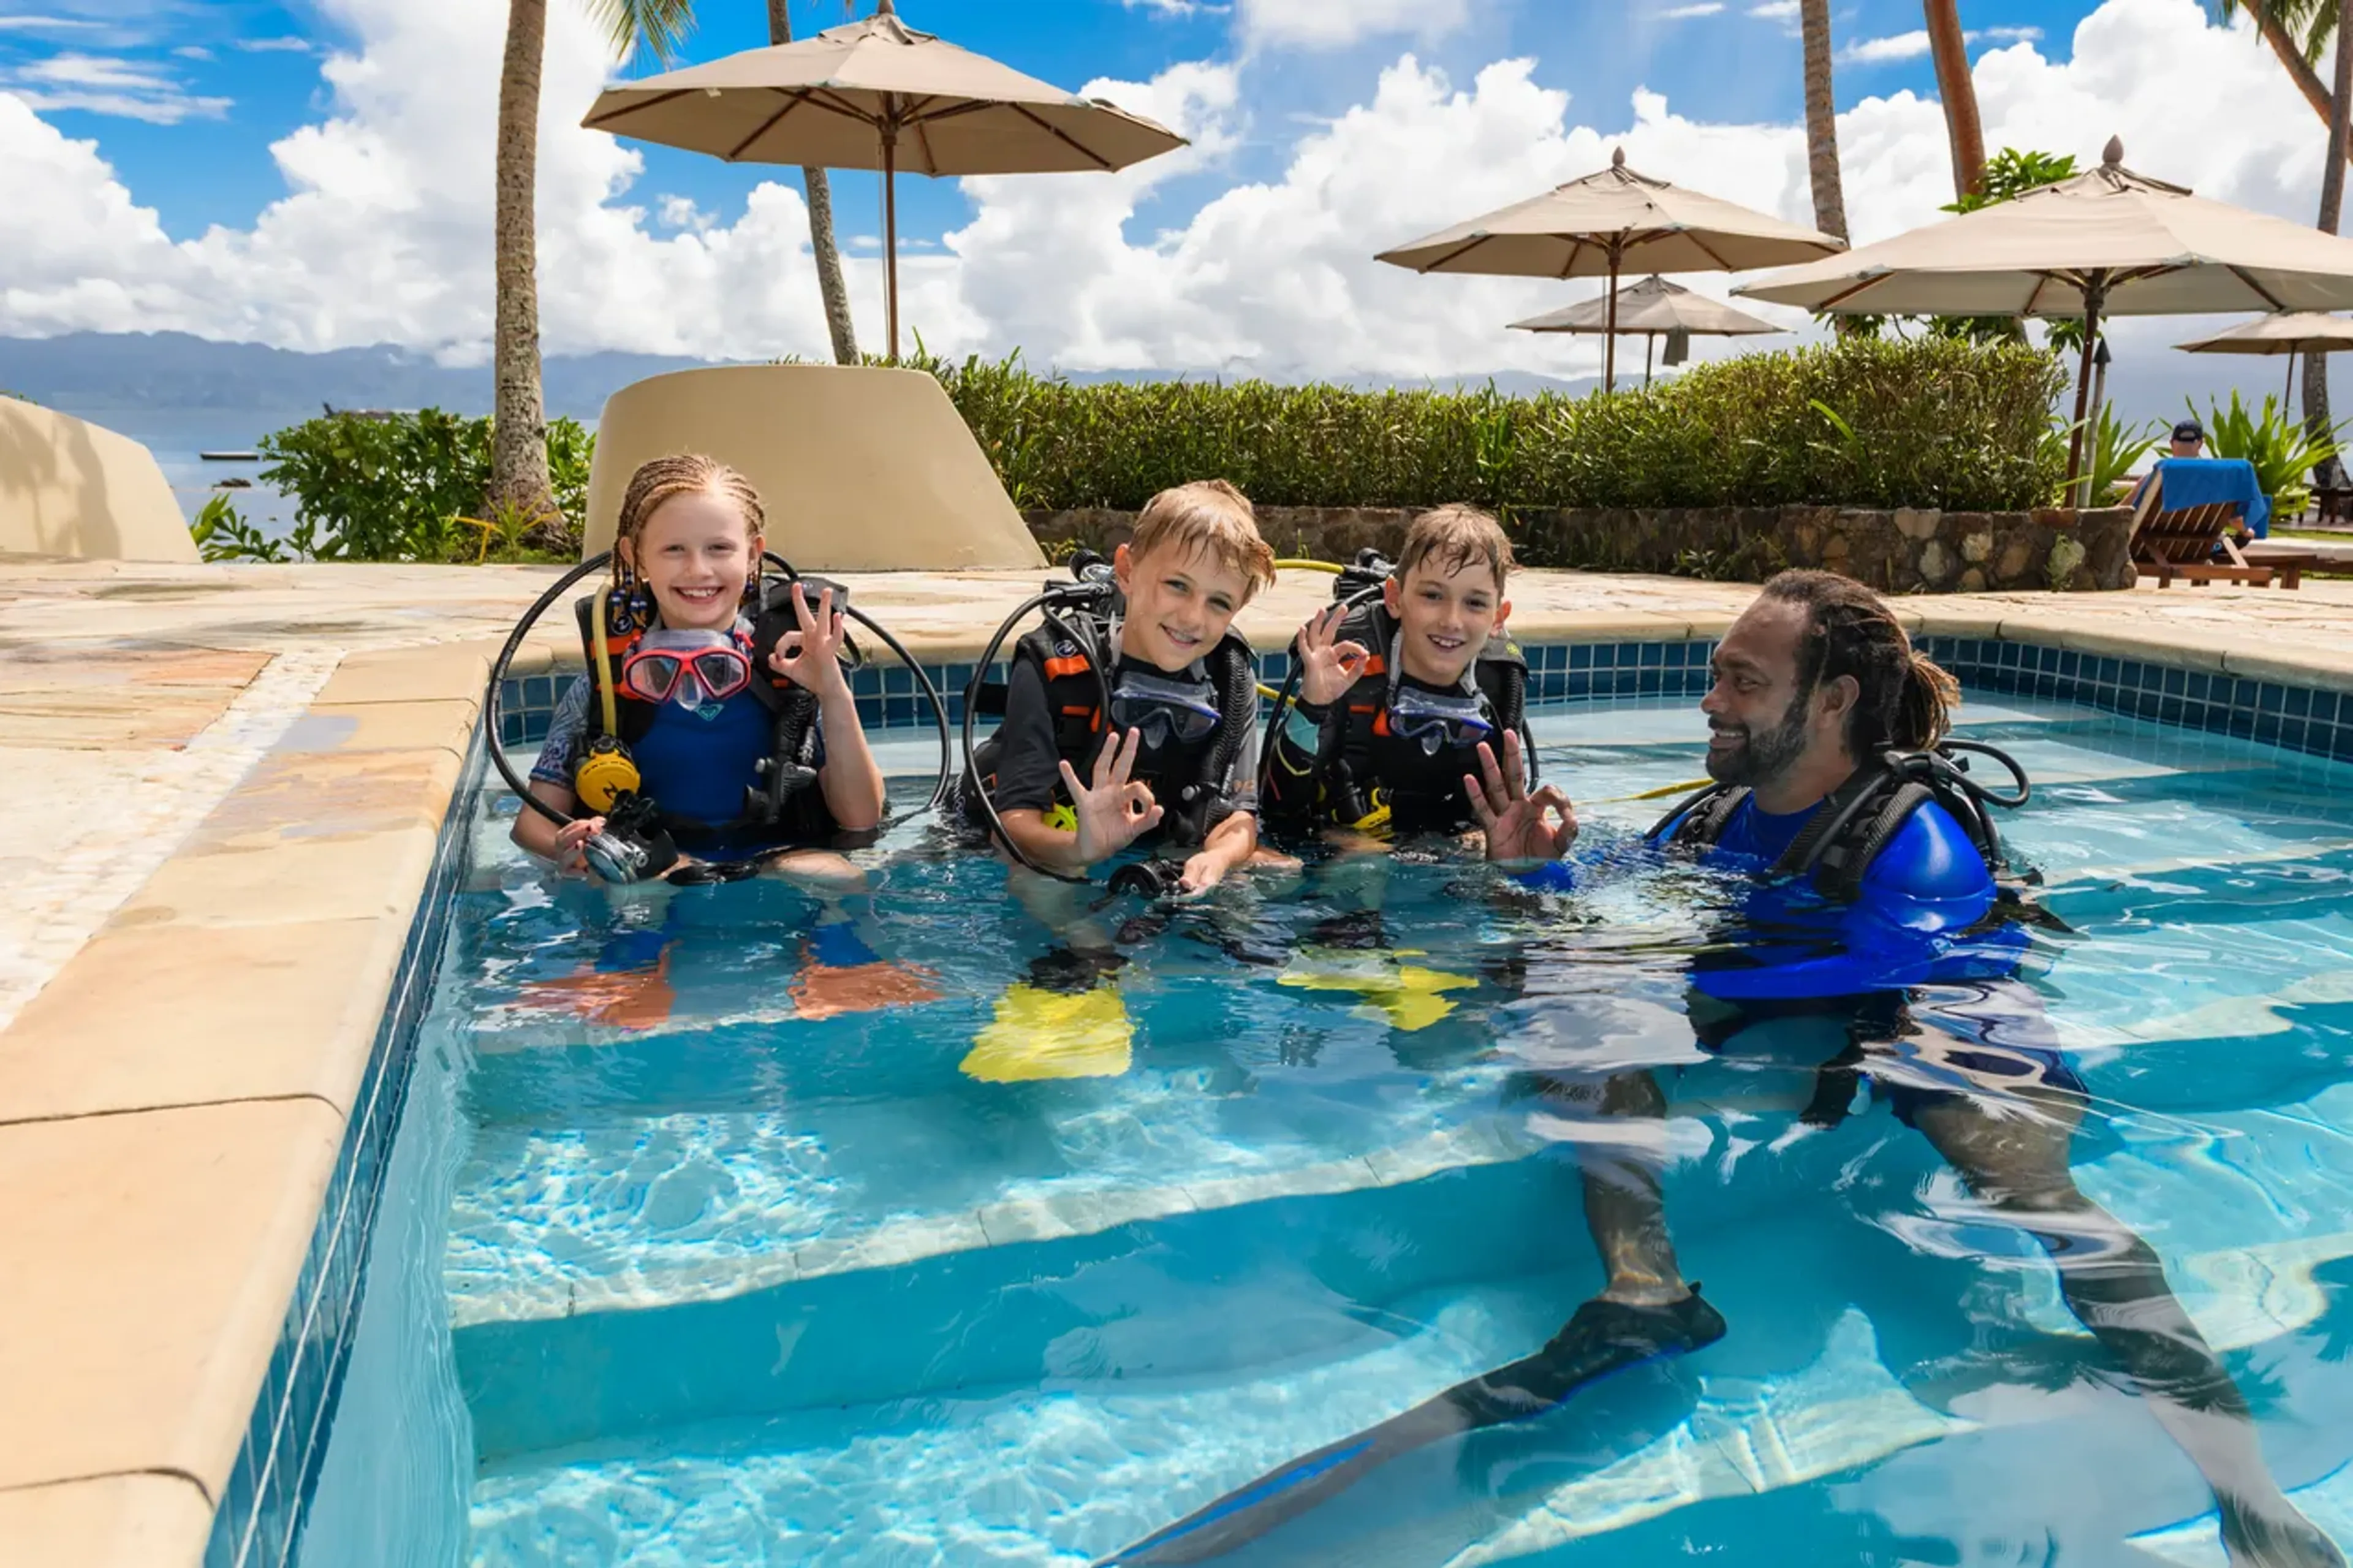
{"x": 1959, "y": 92}
{"x": 2332, "y": 205}
{"x": 838, "y": 322}
{"x": 1821, "y": 121}
{"x": 2299, "y": 70}
{"x": 519, "y": 426}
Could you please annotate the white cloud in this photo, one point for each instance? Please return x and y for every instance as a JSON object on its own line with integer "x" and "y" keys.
{"x": 1705, "y": 8}
{"x": 1876, "y": 51}
{"x": 46, "y": 24}
{"x": 272, "y": 45}
{"x": 1333, "y": 24}
{"x": 1171, "y": 7}
{"x": 384, "y": 231}
{"x": 133, "y": 90}
{"x": 2008, "y": 35}
{"x": 1775, "y": 10}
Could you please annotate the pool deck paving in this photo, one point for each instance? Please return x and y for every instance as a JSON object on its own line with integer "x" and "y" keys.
{"x": 232, "y": 780}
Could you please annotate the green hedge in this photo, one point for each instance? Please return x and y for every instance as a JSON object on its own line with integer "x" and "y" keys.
{"x": 1862, "y": 422}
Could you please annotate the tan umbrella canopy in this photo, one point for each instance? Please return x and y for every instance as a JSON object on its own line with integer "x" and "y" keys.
{"x": 1603, "y": 224}
{"x": 2107, "y": 243}
{"x": 877, "y": 94}
{"x": 1650, "y": 307}
{"x": 2289, "y": 332}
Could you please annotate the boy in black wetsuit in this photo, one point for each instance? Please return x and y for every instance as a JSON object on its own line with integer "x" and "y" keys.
{"x": 1404, "y": 704}
{"x": 1178, "y": 749}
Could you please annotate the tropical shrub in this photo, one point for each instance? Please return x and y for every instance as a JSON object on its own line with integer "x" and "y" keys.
{"x": 2282, "y": 449}
{"x": 403, "y": 487}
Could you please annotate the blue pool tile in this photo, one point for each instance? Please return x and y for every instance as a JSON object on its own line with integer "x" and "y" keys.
{"x": 2297, "y": 701}
{"x": 1577, "y": 683}
{"x": 2241, "y": 722}
{"x": 870, "y": 711}
{"x": 2269, "y": 698}
{"x": 539, "y": 692}
{"x": 2324, "y": 707}
{"x": 1580, "y": 656}
{"x": 2267, "y": 728}
{"x": 1649, "y": 682}
{"x": 2169, "y": 711}
{"x": 2197, "y": 685}
{"x": 2291, "y": 732}
{"x": 2176, "y": 681}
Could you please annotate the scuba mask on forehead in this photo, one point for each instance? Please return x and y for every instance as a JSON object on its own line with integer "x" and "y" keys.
{"x": 1161, "y": 708}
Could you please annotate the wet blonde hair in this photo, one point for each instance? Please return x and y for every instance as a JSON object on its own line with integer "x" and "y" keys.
{"x": 1453, "y": 537}
{"x": 682, "y": 473}
{"x": 1207, "y": 517}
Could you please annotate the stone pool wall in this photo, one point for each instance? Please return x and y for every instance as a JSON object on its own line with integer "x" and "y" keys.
{"x": 1907, "y": 551}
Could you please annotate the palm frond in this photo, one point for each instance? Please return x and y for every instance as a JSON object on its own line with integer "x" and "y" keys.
{"x": 658, "y": 27}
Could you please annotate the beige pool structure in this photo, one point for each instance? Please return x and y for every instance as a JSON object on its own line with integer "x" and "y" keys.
{"x": 230, "y": 781}
{"x": 72, "y": 488}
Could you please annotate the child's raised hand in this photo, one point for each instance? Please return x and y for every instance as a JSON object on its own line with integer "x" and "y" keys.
{"x": 1328, "y": 667}
{"x": 807, "y": 657}
{"x": 1116, "y": 811}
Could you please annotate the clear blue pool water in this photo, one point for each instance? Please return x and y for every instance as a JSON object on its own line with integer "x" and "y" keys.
{"x": 678, "y": 1274}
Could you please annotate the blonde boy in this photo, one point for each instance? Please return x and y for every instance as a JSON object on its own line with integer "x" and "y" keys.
{"x": 1177, "y": 751}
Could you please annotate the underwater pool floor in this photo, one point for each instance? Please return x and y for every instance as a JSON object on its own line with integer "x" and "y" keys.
{"x": 734, "y": 1272}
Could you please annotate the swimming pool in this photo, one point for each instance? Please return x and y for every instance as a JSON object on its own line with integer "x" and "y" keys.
{"x": 686, "y": 1275}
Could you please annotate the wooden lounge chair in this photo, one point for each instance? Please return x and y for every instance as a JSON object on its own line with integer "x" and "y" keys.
{"x": 2181, "y": 543}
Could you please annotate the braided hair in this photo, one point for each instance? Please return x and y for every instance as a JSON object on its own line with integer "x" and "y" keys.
{"x": 682, "y": 473}
{"x": 1905, "y": 699}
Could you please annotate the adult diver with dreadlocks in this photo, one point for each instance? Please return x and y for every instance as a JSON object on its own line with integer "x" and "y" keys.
{"x": 1827, "y": 737}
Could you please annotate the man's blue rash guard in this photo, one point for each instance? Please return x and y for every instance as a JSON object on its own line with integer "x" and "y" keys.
{"x": 1925, "y": 889}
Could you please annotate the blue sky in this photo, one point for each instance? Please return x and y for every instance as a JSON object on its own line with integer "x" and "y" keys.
{"x": 250, "y": 70}
{"x": 316, "y": 174}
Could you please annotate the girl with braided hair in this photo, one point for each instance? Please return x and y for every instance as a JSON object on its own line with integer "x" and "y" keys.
{"x": 697, "y": 698}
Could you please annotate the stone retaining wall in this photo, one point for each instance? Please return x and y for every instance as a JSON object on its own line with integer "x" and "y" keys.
{"x": 1908, "y": 551}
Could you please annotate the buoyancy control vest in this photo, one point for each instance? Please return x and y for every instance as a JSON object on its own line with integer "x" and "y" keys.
{"x": 1835, "y": 847}
{"x": 1188, "y": 778}
{"x": 1365, "y": 767}
{"x": 795, "y": 748}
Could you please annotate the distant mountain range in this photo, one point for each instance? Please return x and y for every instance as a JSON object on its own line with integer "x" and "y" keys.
{"x": 96, "y": 373}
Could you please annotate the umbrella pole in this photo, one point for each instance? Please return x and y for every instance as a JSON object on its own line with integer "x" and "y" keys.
{"x": 2092, "y": 293}
{"x": 2287, "y": 393}
{"x": 1609, "y": 338}
{"x": 1649, "y": 342}
{"x": 891, "y": 237}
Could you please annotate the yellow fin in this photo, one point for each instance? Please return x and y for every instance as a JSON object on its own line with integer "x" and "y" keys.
{"x": 1039, "y": 1034}
{"x": 1411, "y": 996}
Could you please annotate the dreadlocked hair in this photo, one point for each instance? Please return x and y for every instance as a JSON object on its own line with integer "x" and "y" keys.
{"x": 682, "y": 473}
{"x": 1906, "y": 699}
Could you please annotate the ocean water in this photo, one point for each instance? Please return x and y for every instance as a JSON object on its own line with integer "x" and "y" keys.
{"x": 736, "y": 1233}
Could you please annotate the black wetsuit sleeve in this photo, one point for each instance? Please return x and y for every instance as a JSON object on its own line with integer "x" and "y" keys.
{"x": 1292, "y": 784}
{"x": 1028, "y": 770}
{"x": 1240, "y": 783}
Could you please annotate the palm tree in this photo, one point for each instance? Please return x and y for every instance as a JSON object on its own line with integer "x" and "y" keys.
{"x": 519, "y": 424}
{"x": 2318, "y": 22}
{"x": 1821, "y": 121}
{"x": 1949, "y": 45}
{"x": 838, "y": 322}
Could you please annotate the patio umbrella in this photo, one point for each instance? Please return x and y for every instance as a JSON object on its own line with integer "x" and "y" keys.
{"x": 1601, "y": 224}
{"x": 1650, "y": 307}
{"x": 877, "y": 94}
{"x": 2289, "y": 332}
{"x": 2105, "y": 243}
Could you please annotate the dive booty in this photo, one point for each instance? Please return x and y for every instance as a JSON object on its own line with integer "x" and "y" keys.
{"x": 1603, "y": 1337}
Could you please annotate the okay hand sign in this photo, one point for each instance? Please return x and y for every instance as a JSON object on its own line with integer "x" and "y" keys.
{"x": 1328, "y": 667}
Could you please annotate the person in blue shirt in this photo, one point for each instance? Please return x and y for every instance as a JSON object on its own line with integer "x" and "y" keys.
{"x": 1818, "y": 697}
{"x": 1871, "y": 949}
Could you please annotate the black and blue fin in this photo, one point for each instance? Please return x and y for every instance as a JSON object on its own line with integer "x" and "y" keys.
{"x": 1604, "y": 1337}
